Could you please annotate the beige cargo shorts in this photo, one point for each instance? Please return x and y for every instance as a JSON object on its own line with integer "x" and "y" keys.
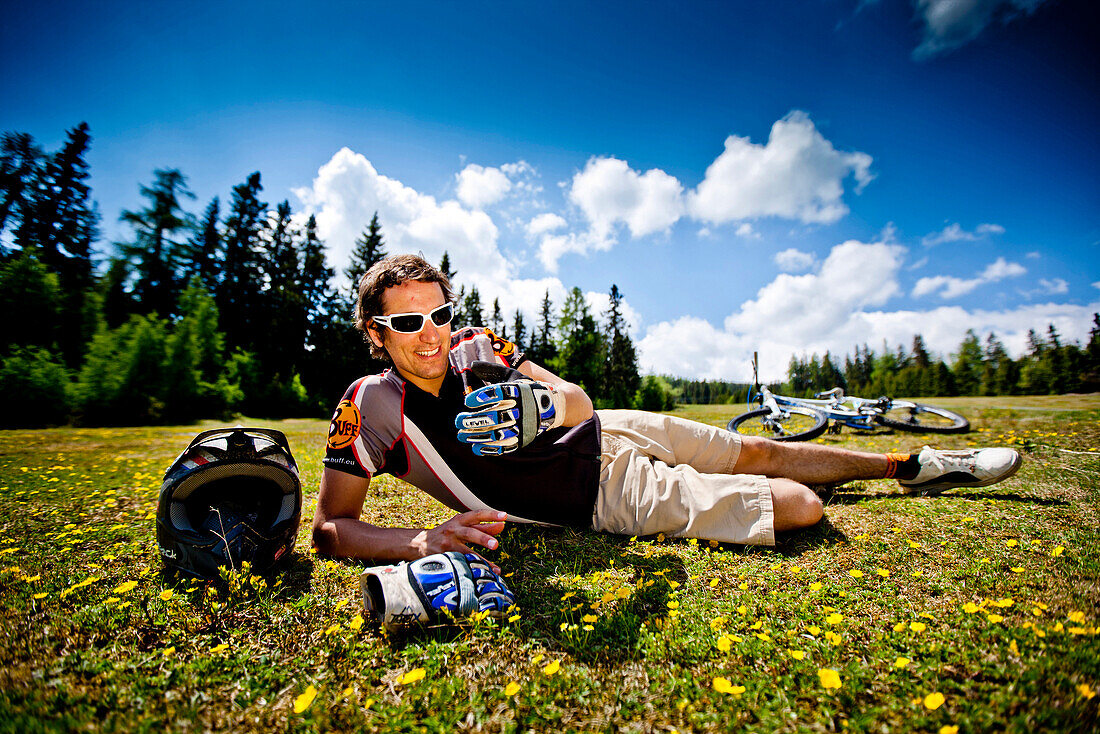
{"x": 661, "y": 474}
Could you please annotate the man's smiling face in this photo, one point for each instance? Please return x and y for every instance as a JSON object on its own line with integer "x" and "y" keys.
{"x": 420, "y": 358}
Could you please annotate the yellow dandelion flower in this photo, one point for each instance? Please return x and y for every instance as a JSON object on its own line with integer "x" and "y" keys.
{"x": 718, "y": 622}
{"x": 918, "y": 626}
{"x": 856, "y": 573}
{"x": 1078, "y": 617}
{"x": 589, "y": 618}
{"x": 829, "y": 678}
{"x": 742, "y": 610}
{"x": 673, "y": 604}
{"x": 901, "y": 662}
{"x": 537, "y": 659}
{"x": 995, "y": 618}
{"x": 219, "y": 648}
{"x": 970, "y": 607}
{"x": 797, "y": 654}
{"x": 933, "y": 700}
{"x": 552, "y": 668}
{"x": 814, "y": 630}
{"x": 743, "y": 585}
{"x": 166, "y": 595}
{"x": 1058, "y": 550}
{"x": 834, "y": 618}
{"x": 815, "y": 586}
{"x": 882, "y": 572}
{"x": 713, "y": 583}
{"x": 412, "y": 676}
{"x": 763, "y": 636}
{"x": 900, "y": 626}
{"x": 169, "y": 651}
{"x": 1017, "y": 569}
{"x": 125, "y": 587}
{"x": 949, "y": 729}
{"x": 304, "y": 701}
{"x": 514, "y": 618}
{"x": 723, "y": 643}
{"x": 834, "y": 639}
{"x": 917, "y": 574}
{"x": 1085, "y": 690}
{"x": 723, "y": 685}
{"x": 333, "y": 629}
{"x": 356, "y": 623}
{"x": 40, "y": 596}
{"x": 511, "y": 689}
{"x": 1011, "y": 542}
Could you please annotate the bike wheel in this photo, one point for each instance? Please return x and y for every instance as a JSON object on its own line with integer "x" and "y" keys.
{"x": 918, "y": 418}
{"x": 796, "y": 424}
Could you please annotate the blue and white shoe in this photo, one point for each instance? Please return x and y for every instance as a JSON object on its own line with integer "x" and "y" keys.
{"x": 943, "y": 470}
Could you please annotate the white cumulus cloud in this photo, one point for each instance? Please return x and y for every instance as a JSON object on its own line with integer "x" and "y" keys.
{"x": 793, "y": 260}
{"x": 950, "y": 286}
{"x": 479, "y": 187}
{"x": 840, "y": 305}
{"x": 544, "y": 223}
{"x": 797, "y": 174}
{"x": 610, "y": 192}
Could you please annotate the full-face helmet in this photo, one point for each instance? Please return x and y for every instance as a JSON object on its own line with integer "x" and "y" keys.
{"x": 233, "y": 495}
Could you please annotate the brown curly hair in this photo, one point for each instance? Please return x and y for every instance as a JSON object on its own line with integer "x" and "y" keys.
{"x": 387, "y": 273}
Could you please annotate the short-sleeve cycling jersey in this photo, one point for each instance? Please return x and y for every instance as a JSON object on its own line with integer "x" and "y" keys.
{"x": 387, "y": 425}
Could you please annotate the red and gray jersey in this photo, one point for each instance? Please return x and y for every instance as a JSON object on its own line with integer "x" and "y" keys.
{"x": 386, "y": 425}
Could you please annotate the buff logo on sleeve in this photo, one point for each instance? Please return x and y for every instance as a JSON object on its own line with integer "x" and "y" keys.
{"x": 344, "y": 428}
{"x": 501, "y": 346}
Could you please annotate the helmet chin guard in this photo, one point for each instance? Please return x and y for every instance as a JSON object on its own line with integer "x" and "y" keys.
{"x": 232, "y": 496}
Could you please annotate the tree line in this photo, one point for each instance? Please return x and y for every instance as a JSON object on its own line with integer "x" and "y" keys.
{"x": 233, "y": 310}
{"x": 1051, "y": 366}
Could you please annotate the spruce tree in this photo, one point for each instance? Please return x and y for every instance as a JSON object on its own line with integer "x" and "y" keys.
{"x": 583, "y": 349}
{"x": 238, "y": 293}
{"x": 368, "y": 250}
{"x": 21, "y": 166}
{"x": 621, "y": 379}
{"x": 496, "y": 321}
{"x": 157, "y": 253}
{"x": 472, "y": 312}
{"x": 519, "y": 331}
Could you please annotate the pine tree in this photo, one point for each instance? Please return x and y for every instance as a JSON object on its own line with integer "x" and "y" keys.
{"x": 156, "y": 252}
{"x": 496, "y": 321}
{"x": 21, "y": 167}
{"x": 445, "y": 268}
{"x": 519, "y": 332}
{"x": 368, "y": 250}
{"x": 238, "y": 294}
{"x": 968, "y": 365}
{"x": 620, "y": 378}
{"x": 543, "y": 345}
{"x": 203, "y": 249}
{"x": 472, "y": 312}
{"x": 582, "y": 351}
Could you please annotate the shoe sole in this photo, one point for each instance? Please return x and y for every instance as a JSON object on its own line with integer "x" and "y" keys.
{"x": 940, "y": 486}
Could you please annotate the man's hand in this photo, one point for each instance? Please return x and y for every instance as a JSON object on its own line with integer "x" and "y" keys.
{"x": 509, "y": 412}
{"x": 476, "y": 527}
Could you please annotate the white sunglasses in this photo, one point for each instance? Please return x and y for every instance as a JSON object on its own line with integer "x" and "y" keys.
{"x": 412, "y": 323}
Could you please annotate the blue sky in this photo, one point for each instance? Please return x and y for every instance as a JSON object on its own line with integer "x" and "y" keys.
{"x": 787, "y": 177}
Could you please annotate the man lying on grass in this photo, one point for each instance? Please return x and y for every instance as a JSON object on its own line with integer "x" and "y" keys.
{"x": 465, "y": 417}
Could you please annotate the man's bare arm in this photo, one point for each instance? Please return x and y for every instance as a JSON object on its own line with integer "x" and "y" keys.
{"x": 338, "y": 531}
{"x": 578, "y": 406}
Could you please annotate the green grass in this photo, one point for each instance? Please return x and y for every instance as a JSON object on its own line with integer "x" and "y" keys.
{"x": 990, "y": 596}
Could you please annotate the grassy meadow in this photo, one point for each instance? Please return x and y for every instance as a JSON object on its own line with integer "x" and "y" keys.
{"x": 974, "y": 611}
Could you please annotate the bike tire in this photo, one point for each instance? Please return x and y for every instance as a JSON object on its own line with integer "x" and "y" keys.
{"x": 801, "y": 430}
{"x": 936, "y": 420}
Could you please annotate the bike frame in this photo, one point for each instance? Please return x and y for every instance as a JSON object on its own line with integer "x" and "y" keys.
{"x": 849, "y": 410}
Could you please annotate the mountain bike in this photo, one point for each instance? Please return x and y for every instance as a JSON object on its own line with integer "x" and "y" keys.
{"x": 784, "y": 418}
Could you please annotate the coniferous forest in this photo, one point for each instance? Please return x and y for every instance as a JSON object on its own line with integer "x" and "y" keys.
{"x": 213, "y": 310}
{"x": 230, "y": 308}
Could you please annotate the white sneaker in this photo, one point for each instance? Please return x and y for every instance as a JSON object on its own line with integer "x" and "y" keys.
{"x": 943, "y": 470}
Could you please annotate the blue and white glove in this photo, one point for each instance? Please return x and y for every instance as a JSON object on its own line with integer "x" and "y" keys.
{"x": 509, "y": 412}
{"x": 433, "y": 588}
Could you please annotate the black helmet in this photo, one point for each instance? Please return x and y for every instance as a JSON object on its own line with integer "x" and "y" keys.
{"x": 233, "y": 495}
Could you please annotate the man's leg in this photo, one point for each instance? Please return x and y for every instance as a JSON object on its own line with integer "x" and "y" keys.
{"x": 794, "y": 505}
{"x": 807, "y": 463}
